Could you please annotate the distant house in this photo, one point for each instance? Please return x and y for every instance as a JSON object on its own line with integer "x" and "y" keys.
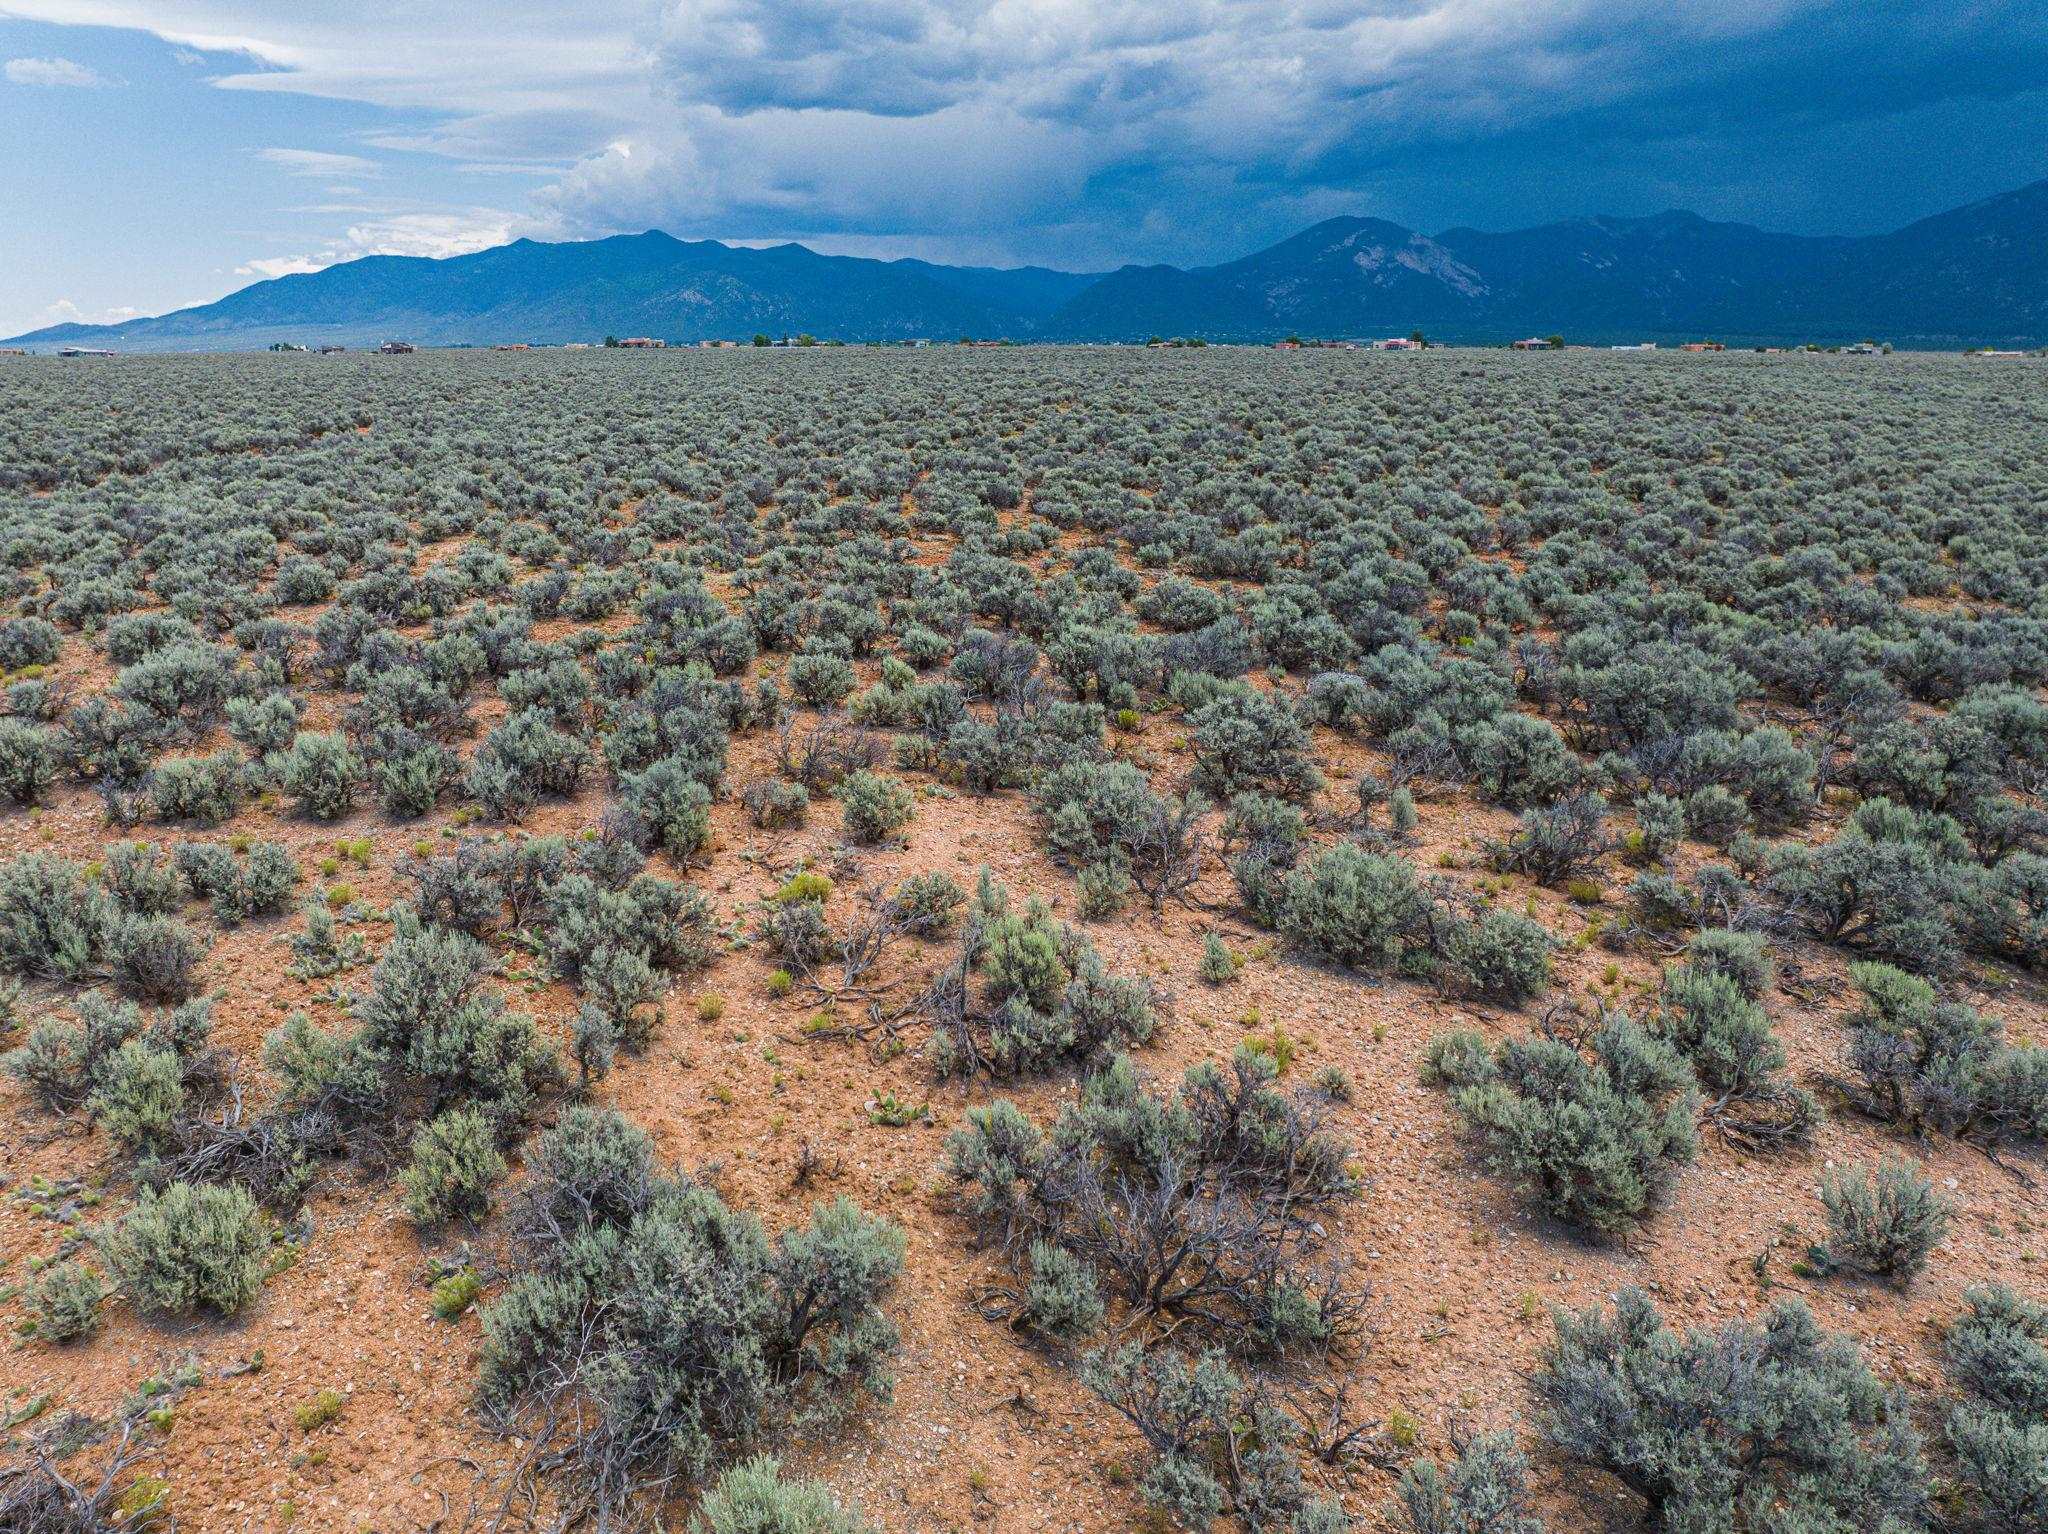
{"x": 1397, "y": 344}
{"x": 649, "y": 343}
{"x": 1703, "y": 346}
{"x": 1289, "y": 345}
{"x": 512, "y": 346}
{"x": 575, "y": 346}
{"x": 1634, "y": 346}
{"x": 83, "y": 351}
{"x": 330, "y": 349}
{"x": 1532, "y": 344}
{"x": 396, "y": 348}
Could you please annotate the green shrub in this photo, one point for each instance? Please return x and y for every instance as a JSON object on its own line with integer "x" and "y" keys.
{"x": 1887, "y": 1224}
{"x": 154, "y": 957}
{"x": 1061, "y": 1301}
{"x": 318, "y": 1410}
{"x": 1720, "y": 1429}
{"x": 1597, "y": 1128}
{"x": 1354, "y": 907}
{"x": 52, "y": 920}
{"x": 455, "y": 1162}
{"x": 773, "y": 804}
{"x": 1486, "y": 1491}
{"x": 876, "y": 807}
{"x": 753, "y": 1498}
{"x": 672, "y": 804}
{"x": 820, "y": 679}
{"x": 1500, "y": 955}
{"x": 320, "y": 772}
{"x": 1217, "y": 965}
{"x": 1941, "y": 1066}
{"x": 678, "y": 1317}
{"x": 28, "y": 761}
{"x": 64, "y": 1302}
{"x": 1252, "y": 740}
{"x": 205, "y": 790}
{"x": 188, "y": 1248}
{"x": 1556, "y": 843}
{"x": 138, "y": 1095}
{"x": 62, "y": 1061}
{"x": 1742, "y": 957}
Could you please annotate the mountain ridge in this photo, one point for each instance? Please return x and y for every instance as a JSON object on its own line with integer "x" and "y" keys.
{"x": 1976, "y": 274}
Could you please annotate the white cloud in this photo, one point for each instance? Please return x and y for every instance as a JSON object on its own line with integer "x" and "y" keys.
{"x": 318, "y": 162}
{"x": 394, "y": 234}
{"x": 55, "y": 72}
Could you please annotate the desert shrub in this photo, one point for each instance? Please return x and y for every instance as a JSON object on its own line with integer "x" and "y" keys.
{"x": 411, "y": 773}
{"x": 455, "y": 1161}
{"x": 1251, "y": 740}
{"x": 673, "y": 806}
{"x": 522, "y": 760}
{"x": 137, "y": 1095}
{"x": 1941, "y": 1066}
{"x": 1060, "y": 1301}
{"x": 205, "y": 790}
{"x": 1598, "y": 1123}
{"x": 435, "y": 1031}
{"x": 263, "y": 885}
{"x": 1715, "y": 815}
{"x": 29, "y": 759}
{"x": 1726, "y": 1037}
{"x": 928, "y": 903}
{"x": 28, "y": 642}
{"x": 1499, "y": 955}
{"x": 153, "y": 957}
{"x": 1886, "y": 1223}
{"x": 1660, "y": 827}
{"x": 678, "y": 1318}
{"x": 1218, "y": 1445}
{"x": 1739, "y": 1428}
{"x": 1217, "y": 966}
{"x": 1354, "y": 907}
{"x": 876, "y": 807}
{"x": 264, "y": 725}
{"x": 1027, "y": 994}
{"x": 754, "y": 1498}
{"x": 61, "y": 1062}
{"x": 665, "y": 923}
{"x": 1169, "y": 1199}
{"x": 1557, "y": 842}
{"x": 64, "y": 1302}
{"x": 141, "y": 879}
{"x": 188, "y": 1248}
{"x": 773, "y": 804}
{"x": 1485, "y": 1491}
{"x": 1105, "y": 816}
{"x": 1997, "y": 1351}
{"x": 1884, "y": 885}
{"x": 820, "y": 679}
{"x": 320, "y": 772}
{"x": 1742, "y": 957}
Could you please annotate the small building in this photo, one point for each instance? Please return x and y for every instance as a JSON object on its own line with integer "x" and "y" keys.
{"x": 1397, "y": 344}
{"x": 83, "y": 351}
{"x": 1289, "y": 345}
{"x": 1703, "y": 346}
{"x": 1532, "y": 344}
{"x": 575, "y": 346}
{"x": 396, "y": 348}
{"x": 331, "y": 348}
{"x": 512, "y": 346}
{"x": 645, "y": 343}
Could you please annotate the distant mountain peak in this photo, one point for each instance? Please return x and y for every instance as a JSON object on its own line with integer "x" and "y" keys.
{"x": 1975, "y": 274}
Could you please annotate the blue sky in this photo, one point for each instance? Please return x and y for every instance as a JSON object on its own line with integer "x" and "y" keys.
{"x": 164, "y": 152}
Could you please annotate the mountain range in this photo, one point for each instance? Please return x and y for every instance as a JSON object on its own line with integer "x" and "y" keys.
{"x": 1977, "y": 275}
